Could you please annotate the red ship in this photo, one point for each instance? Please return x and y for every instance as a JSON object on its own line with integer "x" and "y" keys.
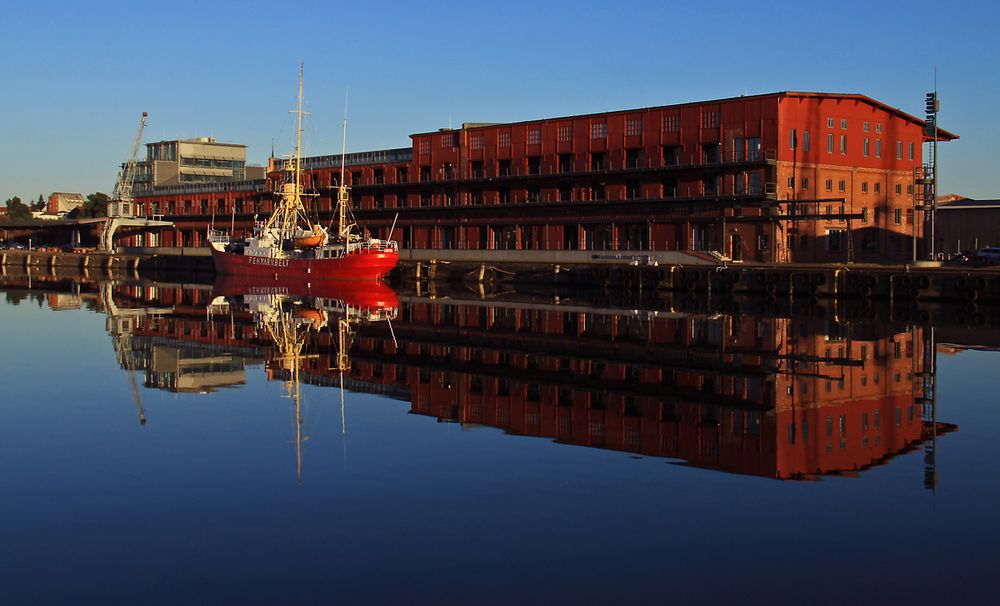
{"x": 290, "y": 245}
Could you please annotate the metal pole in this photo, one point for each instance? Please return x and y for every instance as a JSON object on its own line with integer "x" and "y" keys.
{"x": 913, "y": 230}
{"x": 935, "y": 170}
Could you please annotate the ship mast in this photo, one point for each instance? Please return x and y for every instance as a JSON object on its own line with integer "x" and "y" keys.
{"x": 290, "y": 209}
{"x": 343, "y": 192}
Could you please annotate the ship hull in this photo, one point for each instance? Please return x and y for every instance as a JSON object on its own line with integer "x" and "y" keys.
{"x": 366, "y": 295}
{"x": 360, "y": 265}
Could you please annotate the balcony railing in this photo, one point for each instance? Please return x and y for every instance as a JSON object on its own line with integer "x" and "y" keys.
{"x": 694, "y": 161}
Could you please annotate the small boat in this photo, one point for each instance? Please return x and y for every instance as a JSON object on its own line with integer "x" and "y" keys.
{"x": 290, "y": 244}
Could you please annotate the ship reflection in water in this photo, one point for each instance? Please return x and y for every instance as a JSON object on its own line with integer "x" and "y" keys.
{"x": 787, "y": 398}
{"x": 244, "y": 441}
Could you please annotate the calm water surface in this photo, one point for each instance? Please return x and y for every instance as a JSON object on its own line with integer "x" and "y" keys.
{"x": 155, "y": 447}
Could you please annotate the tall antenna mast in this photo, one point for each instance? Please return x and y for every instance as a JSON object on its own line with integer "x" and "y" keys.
{"x": 290, "y": 207}
{"x": 298, "y": 136}
{"x": 343, "y": 193}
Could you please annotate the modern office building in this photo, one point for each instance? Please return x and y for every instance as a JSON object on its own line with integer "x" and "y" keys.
{"x": 193, "y": 161}
{"x": 779, "y": 177}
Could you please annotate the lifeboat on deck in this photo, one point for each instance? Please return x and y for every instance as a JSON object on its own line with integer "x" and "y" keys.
{"x": 308, "y": 239}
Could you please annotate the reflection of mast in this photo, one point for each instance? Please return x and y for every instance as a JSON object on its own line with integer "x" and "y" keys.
{"x": 344, "y": 333}
{"x": 290, "y": 341}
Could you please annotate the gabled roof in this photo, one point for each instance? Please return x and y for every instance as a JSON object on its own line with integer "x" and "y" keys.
{"x": 968, "y": 204}
{"x": 943, "y": 135}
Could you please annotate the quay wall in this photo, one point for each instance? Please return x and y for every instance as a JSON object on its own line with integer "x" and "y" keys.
{"x": 625, "y": 271}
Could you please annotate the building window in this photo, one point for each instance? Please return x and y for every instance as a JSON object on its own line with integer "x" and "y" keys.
{"x": 753, "y": 149}
{"x": 791, "y": 182}
{"x": 829, "y": 185}
{"x": 834, "y": 240}
{"x": 898, "y": 216}
{"x": 476, "y": 141}
{"x": 599, "y": 130}
{"x": 671, "y": 155}
{"x": 503, "y": 139}
{"x": 805, "y": 182}
{"x": 843, "y": 124}
{"x": 425, "y": 146}
{"x": 866, "y": 147}
{"x": 878, "y": 148}
{"x": 633, "y": 191}
{"x": 710, "y": 153}
{"x": 878, "y": 188}
{"x": 565, "y": 163}
{"x": 710, "y": 185}
{"x": 534, "y": 165}
{"x": 503, "y": 168}
{"x": 805, "y": 141}
{"x": 878, "y": 128}
{"x": 448, "y": 139}
{"x": 565, "y": 132}
{"x": 829, "y": 144}
{"x": 899, "y": 150}
{"x": 791, "y": 139}
{"x": 843, "y": 144}
{"x": 597, "y": 161}
{"x": 909, "y": 189}
{"x": 877, "y": 214}
{"x": 738, "y": 146}
{"x": 534, "y": 136}
{"x": 829, "y": 122}
{"x": 864, "y": 187}
{"x": 841, "y": 185}
{"x": 911, "y": 150}
{"x": 710, "y": 119}
{"x": 866, "y": 126}
{"x": 864, "y": 215}
{"x": 899, "y": 189}
{"x": 633, "y": 127}
{"x": 671, "y": 123}
{"x": 633, "y": 158}
{"x": 669, "y": 188}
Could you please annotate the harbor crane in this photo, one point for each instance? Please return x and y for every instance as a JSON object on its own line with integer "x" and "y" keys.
{"x": 121, "y": 209}
{"x": 121, "y": 197}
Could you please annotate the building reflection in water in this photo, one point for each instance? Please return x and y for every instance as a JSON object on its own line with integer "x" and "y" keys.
{"x": 779, "y": 397}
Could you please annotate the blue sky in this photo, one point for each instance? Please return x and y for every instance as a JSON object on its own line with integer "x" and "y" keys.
{"x": 77, "y": 75}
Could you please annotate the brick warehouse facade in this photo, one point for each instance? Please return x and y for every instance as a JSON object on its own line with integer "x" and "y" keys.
{"x": 770, "y": 177}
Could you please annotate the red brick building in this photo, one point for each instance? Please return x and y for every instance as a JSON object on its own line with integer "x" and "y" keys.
{"x": 771, "y": 177}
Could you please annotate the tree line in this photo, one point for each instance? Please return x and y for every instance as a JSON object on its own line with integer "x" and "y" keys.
{"x": 96, "y": 205}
